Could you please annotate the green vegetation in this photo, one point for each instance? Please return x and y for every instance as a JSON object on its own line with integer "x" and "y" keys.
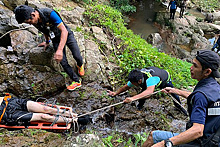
{"x": 123, "y": 6}
{"x": 133, "y": 51}
{"x": 207, "y": 5}
{"x": 117, "y": 139}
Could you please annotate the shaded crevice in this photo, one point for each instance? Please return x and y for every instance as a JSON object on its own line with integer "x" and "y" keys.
{"x": 5, "y": 41}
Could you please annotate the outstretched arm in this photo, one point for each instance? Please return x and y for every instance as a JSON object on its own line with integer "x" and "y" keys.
{"x": 120, "y": 90}
{"x": 144, "y": 94}
{"x": 179, "y": 92}
{"x": 58, "y": 56}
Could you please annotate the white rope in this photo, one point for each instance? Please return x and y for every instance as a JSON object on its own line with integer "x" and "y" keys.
{"x": 176, "y": 101}
{"x": 15, "y": 30}
{"x": 117, "y": 104}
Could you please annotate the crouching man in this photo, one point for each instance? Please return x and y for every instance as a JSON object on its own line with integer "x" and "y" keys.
{"x": 203, "y": 107}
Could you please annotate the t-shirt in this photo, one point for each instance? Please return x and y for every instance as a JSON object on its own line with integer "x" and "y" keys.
{"x": 56, "y": 18}
{"x": 200, "y": 105}
{"x": 149, "y": 82}
{"x": 172, "y": 4}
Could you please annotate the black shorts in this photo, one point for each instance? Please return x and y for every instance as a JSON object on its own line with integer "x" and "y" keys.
{"x": 16, "y": 111}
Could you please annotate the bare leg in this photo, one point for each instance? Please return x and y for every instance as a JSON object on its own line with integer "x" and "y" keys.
{"x": 149, "y": 142}
{"x": 48, "y": 118}
{"x": 38, "y": 108}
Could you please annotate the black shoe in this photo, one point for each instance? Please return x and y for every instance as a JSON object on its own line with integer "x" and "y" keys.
{"x": 140, "y": 106}
{"x": 84, "y": 120}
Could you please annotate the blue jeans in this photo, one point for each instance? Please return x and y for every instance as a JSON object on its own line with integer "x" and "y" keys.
{"x": 158, "y": 135}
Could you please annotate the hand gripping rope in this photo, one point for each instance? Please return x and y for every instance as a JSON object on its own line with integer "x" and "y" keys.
{"x": 133, "y": 100}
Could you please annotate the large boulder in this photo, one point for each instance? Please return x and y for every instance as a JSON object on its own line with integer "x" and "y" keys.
{"x": 29, "y": 71}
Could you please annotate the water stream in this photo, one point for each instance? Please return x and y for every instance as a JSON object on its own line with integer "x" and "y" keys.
{"x": 141, "y": 22}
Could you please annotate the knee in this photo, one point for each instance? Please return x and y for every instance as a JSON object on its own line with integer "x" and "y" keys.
{"x": 45, "y": 108}
{"x": 45, "y": 117}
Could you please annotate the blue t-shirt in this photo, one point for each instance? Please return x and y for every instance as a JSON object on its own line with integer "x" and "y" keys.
{"x": 55, "y": 18}
{"x": 173, "y": 4}
{"x": 150, "y": 82}
{"x": 200, "y": 105}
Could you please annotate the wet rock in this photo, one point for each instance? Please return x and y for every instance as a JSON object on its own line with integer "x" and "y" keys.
{"x": 155, "y": 39}
{"x": 12, "y": 4}
{"x": 85, "y": 140}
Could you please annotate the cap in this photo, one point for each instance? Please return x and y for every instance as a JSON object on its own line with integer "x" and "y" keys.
{"x": 22, "y": 13}
{"x": 209, "y": 59}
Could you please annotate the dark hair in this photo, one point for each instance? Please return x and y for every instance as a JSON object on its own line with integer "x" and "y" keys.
{"x": 135, "y": 75}
{"x": 22, "y": 13}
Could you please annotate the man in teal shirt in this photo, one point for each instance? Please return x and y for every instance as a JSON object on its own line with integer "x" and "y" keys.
{"x": 148, "y": 79}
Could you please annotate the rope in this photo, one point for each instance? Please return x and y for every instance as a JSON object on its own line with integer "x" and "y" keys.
{"x": 176, "y": 101}
{"x": 117, "y": 104}
{"x": 15, "y": 30}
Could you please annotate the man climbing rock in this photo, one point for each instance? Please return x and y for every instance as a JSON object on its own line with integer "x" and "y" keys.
{"x": 203, "y": 107}
{"x": 148, "y": 79}
{"x": 49, "y": 22}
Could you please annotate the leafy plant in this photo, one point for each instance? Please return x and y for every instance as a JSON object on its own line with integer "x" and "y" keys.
{"x": 133, "y": 51}
{"x": 207, "y": 5}
{"x": 107, "y": 141}
{"x": 140, "y": 138}
{"x": 123, "y": 6}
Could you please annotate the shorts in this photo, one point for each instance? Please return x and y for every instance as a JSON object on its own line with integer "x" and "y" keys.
{"x": 16, "y": 111}
{"x": 158, "y": 135}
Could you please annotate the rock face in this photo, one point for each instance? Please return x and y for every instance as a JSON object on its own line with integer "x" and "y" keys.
{"x": 187, "y": 34}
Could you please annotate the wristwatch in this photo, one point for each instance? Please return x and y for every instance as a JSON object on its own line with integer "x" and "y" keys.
{"x": 168, "y": 143}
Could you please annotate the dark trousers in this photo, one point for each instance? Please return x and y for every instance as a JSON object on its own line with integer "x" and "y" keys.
{"x": 172, "y": 13}
{"x": 182, "y": 9}
{"x": 168, "y": 84}
{"x": 74, "y": 48}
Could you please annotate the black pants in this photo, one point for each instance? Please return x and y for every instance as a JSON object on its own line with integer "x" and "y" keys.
{"x": 172, "y": 13}
{"x": 74, "y": 48}
{"x": 168, "y": 84}
{"x": 182, "y": 9}
{"x": 16, "y": 109}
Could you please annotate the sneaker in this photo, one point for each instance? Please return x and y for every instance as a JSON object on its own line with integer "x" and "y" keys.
{"x": 74, "y": 85}
{"x": 81, "y": 71}
{"x": 84, "y": 120}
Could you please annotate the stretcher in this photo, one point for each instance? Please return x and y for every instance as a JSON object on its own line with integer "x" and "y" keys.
{"x": 43, "y": 125}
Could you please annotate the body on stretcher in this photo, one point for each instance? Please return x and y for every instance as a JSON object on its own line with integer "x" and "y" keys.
{"x": 43, "y": 125}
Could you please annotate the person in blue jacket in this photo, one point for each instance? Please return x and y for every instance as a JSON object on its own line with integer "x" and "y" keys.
{"x": 216, "y": 46}
{"x": 203, "y": 107}
{"x": 49, "y": 22}
{"x": 173, "y": 6}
